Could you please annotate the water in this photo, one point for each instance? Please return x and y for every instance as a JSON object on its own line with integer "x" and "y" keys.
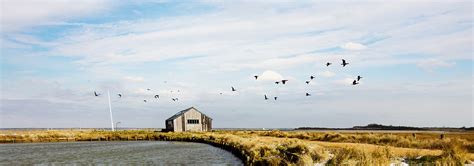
{"x": 115, "y": 153}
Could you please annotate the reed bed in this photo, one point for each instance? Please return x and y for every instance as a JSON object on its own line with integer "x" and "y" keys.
{"x": 406, "y": 140}
{"x": 282, "y": 148}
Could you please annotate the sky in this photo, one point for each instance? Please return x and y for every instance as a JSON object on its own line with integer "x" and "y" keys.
{"x": 415, "y": 58}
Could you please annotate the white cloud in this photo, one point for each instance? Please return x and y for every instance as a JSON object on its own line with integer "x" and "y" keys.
{"x": 19, "y": 14}
{"x": 353, "y": 46}
{"x": 134, "y": 78}
{"x": 327, "y": 74}
{"x": 345, "y": 81}
{"x": 263, "y": 40}
{"x": 141, "y": 92}
{"x": 270, "y": 75}
{"x": 431, "y": 64}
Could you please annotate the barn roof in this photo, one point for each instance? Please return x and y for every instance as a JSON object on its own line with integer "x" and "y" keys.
{"x": 184, "y": 111}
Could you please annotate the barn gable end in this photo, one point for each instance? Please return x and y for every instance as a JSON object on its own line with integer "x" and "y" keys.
{"x": 189, "y": 119}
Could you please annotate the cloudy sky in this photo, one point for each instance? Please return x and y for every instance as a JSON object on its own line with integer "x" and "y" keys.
{"x": 415, "y": 58}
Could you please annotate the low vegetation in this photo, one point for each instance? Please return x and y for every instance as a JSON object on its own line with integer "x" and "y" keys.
{"x": 421, "y": 140}
{"x": 289, "y": 148}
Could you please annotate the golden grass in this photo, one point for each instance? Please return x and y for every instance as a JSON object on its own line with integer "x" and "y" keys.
{"x": 285, "y": 148}
{"x": 421, "y": 140}
{"x": 397, "y": 151}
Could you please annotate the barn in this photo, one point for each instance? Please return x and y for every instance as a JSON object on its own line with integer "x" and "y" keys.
{"x": 189, "y": 119}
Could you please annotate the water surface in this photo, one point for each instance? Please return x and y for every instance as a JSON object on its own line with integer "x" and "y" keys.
{"x": 124, "y": 153}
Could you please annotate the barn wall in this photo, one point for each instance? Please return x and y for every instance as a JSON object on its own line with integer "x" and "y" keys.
{"x": 209, "y": 124}
{"x": 193, "y": 114}
{"x": 169, "y": 127}
{"x": 206, "y": 123}
{"x": 178, "y": 124}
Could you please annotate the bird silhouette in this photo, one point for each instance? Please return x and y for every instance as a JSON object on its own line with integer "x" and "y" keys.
{"x": 256, "y": 77}
{"x": 277, "y": 82}
{"x": 312, "y": 77}
{"x": 96, "y": 94}
{"x": 157, "y": 96}
{"x": 148, "y": 89}
{"x": 284, "y": 81}
{"x": 233, "y": 89}
{"x": 144, "y": 101}
{"x": 307, "y": 82}
{"x": 120, "y": 95}
{"x": 266, "y": 98}
{"x": 327, "y": 64}
{"x": 344, "y": 63}
{"x": 174, "y": 99}
{"x": 307, "y": 94}
{"x": 358, "y": 78}
{"x": 354, "y": 82}
{"x": 275, "y": 98}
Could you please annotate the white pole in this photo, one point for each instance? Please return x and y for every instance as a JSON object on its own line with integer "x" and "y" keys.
{"x": 110, "y": 109}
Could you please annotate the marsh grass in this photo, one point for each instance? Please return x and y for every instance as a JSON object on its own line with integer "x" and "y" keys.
{"x": 257, "y": 150}
{"x": 406, "y": 140}
{"x": 353, "y": 156}
{"x": 454, "y": 153}
{"x": 286, "y": 148}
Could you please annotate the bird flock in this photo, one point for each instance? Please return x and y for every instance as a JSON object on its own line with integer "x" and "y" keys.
{"x": 233, "y": 89}
{"x": 311, "y": 78}
{"x": 156, "y": 96}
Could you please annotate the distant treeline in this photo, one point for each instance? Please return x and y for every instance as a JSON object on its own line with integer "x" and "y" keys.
{"x": 390, "y": 127}
{"x": 368, "y": 127}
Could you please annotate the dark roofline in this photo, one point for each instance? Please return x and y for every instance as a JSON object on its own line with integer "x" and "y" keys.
{"x": 184, "y": 111}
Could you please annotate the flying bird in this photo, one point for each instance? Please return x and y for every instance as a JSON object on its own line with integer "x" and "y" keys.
{"x": 312, "y": 77}
{"x": 344, "y": 63}
{"x": 157, "y": 96}
{"x": 354, "y": 82}
{"x": 275, "y": 98}
{"x": 327, "y": 64}
{"x": 174, "y": 99}
{"x": 277, "y": 82}
{"x": 120, "y": 95}
{"x": 233, "y": 89}
{"x": 144, "y": 101}
{"x": 284, "y": 81}
{"x": 256, "y": 77}
{"x": 307, "y": 82}
{"x": 358, "y": 78}
{"x": 266, "y": 98}
{"x": 307, "y": 94}
{"x": 96, "y": 94}
{"x": 148, "y": 89}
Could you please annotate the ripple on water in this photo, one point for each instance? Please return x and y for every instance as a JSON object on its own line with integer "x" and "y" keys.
{"x": 105, "y": 153}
